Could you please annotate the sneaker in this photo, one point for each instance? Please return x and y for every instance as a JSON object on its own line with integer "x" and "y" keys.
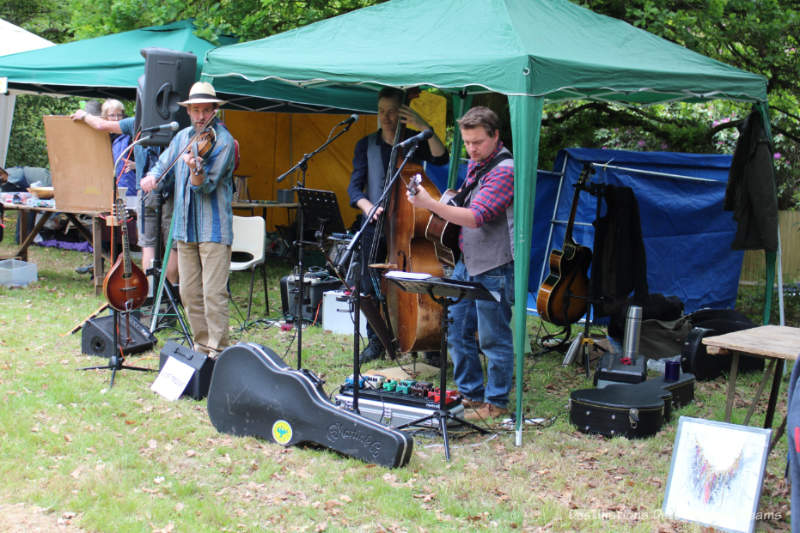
{"x": 373, "y": 351}
{"x": 486, "y": 412}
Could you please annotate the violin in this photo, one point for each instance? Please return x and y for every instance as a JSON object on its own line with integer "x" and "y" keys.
{"x": 199, "y": 145}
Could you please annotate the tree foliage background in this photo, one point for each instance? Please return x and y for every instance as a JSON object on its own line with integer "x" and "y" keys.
{"x": 756, "y": 35}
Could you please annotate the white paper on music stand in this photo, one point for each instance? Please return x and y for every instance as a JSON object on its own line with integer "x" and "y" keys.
{"x": 399, "y": 274}
{"x": 172, "y": 379}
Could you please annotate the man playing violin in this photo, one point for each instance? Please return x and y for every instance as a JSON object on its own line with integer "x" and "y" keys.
{"x": 486, "y": 240}
{"x": 203, "y": 215}
{"x": 370, "y": 162}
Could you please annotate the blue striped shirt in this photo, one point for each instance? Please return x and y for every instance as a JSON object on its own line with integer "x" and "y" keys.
{"x": 202, "y": 213}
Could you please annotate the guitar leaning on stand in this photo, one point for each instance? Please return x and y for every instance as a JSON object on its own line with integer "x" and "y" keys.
{"x": 564, "y": 296}
{"x": 125, "y": 285}
{"x": 125, "y": 288}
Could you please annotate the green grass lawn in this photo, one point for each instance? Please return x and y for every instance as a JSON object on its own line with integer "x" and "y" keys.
{"x": 125, "y": 459}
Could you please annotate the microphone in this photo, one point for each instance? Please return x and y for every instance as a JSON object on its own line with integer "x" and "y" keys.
{"x": 349, "y": 120}
{"x": 172, "y": 126}
{"x": 421, "y": 136}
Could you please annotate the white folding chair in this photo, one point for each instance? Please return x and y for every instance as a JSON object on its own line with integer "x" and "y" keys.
{"x": 247, "y": 252}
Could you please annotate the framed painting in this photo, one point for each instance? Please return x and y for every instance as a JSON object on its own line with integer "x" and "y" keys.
{"x": 716, "y": 474}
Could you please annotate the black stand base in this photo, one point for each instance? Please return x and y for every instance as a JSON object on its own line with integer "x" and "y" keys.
{"x": 115, "y": 361}
{"x": 442, "y": 416}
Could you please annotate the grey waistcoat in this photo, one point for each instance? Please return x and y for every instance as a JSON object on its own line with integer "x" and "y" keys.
{"x": 492, "y": 244}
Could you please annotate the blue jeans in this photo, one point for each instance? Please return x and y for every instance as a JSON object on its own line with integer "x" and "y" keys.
{"x": 492, "y": 321}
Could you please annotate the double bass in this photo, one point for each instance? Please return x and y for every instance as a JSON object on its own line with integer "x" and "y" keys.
{"x": 415, "y": 319}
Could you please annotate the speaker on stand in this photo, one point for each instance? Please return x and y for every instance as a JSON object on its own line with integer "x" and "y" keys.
{"x": 168, "y": 76}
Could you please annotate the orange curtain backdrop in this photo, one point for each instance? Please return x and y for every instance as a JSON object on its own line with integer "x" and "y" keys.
{"x": 271, "y": 143}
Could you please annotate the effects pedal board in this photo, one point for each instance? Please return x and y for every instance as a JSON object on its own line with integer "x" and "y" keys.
{"x": 395, "y": 403}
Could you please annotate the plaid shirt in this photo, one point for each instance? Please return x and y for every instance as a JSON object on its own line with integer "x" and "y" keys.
{"x": 495, "y": 193}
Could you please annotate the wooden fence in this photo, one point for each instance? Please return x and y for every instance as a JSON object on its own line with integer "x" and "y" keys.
{"x": 753, "y": 269}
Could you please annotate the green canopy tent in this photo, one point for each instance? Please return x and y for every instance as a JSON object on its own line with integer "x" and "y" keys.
{"x": 110, "y": 66}
{"x": 530, "y": 50}
{"x": 102, "y": 67}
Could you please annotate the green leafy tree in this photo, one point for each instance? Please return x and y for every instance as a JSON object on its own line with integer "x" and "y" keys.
{"x": 755, "y": 35}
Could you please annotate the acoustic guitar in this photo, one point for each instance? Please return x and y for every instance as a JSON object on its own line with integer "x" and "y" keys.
{"x": 444, "y": 234}
{"x": 564, "y": 295}
{"x": 125, "y": 285}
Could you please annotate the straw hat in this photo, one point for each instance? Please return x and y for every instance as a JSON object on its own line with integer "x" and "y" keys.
{"x": 202, "y": 92}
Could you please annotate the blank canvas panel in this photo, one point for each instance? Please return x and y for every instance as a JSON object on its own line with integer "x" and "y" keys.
{"x": 80, "y": 164}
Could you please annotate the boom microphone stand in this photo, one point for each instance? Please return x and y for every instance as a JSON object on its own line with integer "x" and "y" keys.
{"x": 303, "y": 166}
{"x": 355, "y": 295}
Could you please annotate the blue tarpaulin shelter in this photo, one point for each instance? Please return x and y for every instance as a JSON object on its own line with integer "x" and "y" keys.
{"x": 686, "y": 233}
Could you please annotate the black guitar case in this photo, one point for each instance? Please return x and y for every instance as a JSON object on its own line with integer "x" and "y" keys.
{"x": 625, "y": 410}
{"x": 708, "y": 323}
{"x": 254, "y": 393}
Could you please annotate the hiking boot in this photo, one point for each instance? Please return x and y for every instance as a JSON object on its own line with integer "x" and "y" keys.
{"x": 471, "y": 404}
{"x": 486, "y": 412}
{"x": 373, "y": 351}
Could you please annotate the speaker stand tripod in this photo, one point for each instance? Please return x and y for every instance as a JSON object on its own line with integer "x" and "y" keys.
{"x": 441, "y": 290}
{"x": 164, "y": 285}
{"x": 117, "y": 362}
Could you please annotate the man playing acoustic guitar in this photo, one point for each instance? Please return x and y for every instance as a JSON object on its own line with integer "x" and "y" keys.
{"x": 487, "y": 226}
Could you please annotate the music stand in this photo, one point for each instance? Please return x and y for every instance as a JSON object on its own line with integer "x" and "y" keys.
{"x": 442, "y": 290}
{"x": 320, "y": 210}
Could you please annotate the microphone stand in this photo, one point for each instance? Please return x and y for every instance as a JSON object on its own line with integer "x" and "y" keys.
{"x": 303, "y": 166}
{"x": 355, "y": 295}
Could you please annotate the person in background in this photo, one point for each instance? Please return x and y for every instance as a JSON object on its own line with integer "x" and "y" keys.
{"x": 125, "y": 167}
{"x": 143, "y": 158}
{"x": 486, "y": 217}
{"x": 370, "y": 162}
{"x": 203, "y": 186}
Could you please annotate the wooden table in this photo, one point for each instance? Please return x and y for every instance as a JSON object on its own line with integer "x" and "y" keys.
{"x": 27, "y": 235}
{"x": 264, "y": 205}
{"x": 775, "y": 343}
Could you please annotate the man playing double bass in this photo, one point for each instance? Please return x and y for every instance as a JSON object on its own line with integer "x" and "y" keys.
{"x": 370, "y": 162}
{"x": 487, "y": 226}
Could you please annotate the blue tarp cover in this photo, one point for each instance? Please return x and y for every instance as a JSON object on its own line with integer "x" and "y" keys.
{"x": 686, "y": 233}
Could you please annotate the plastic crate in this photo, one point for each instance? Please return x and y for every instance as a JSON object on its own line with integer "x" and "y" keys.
{"x": 16, "y": 273}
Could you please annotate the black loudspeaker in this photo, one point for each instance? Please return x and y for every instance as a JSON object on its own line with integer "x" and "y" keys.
{"x": 203, "y": 366}
{"x": 168, "y": 76}
{"x": 98, "y": 336}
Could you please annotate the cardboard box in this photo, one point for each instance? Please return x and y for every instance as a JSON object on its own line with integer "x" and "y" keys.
{"x": 336, "y": 314}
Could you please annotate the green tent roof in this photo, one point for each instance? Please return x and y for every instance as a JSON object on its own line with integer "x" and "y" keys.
{"x": 107, "y": 66}
{"x": 549, "y": 48}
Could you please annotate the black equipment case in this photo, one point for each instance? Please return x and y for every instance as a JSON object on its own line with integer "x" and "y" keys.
{"x": 254, "y": 392}
{"x": 636, "y": 410}
{"x": 203, "y": 366}
{"x": 615, "y": 410}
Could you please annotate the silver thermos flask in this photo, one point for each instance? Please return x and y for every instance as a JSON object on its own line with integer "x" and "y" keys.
{"x": 633, "y": 326}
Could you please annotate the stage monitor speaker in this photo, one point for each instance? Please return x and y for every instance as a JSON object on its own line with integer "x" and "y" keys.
{"x": 98, "y": 336}
{"x": 203, "y": 366}
{"x": 168, "y": 76}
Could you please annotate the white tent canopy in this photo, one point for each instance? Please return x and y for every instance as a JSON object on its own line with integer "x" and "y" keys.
{"x": 13, "y": 39}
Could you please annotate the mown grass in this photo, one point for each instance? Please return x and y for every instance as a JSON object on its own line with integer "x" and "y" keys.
{"x": 125, "y": 459}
